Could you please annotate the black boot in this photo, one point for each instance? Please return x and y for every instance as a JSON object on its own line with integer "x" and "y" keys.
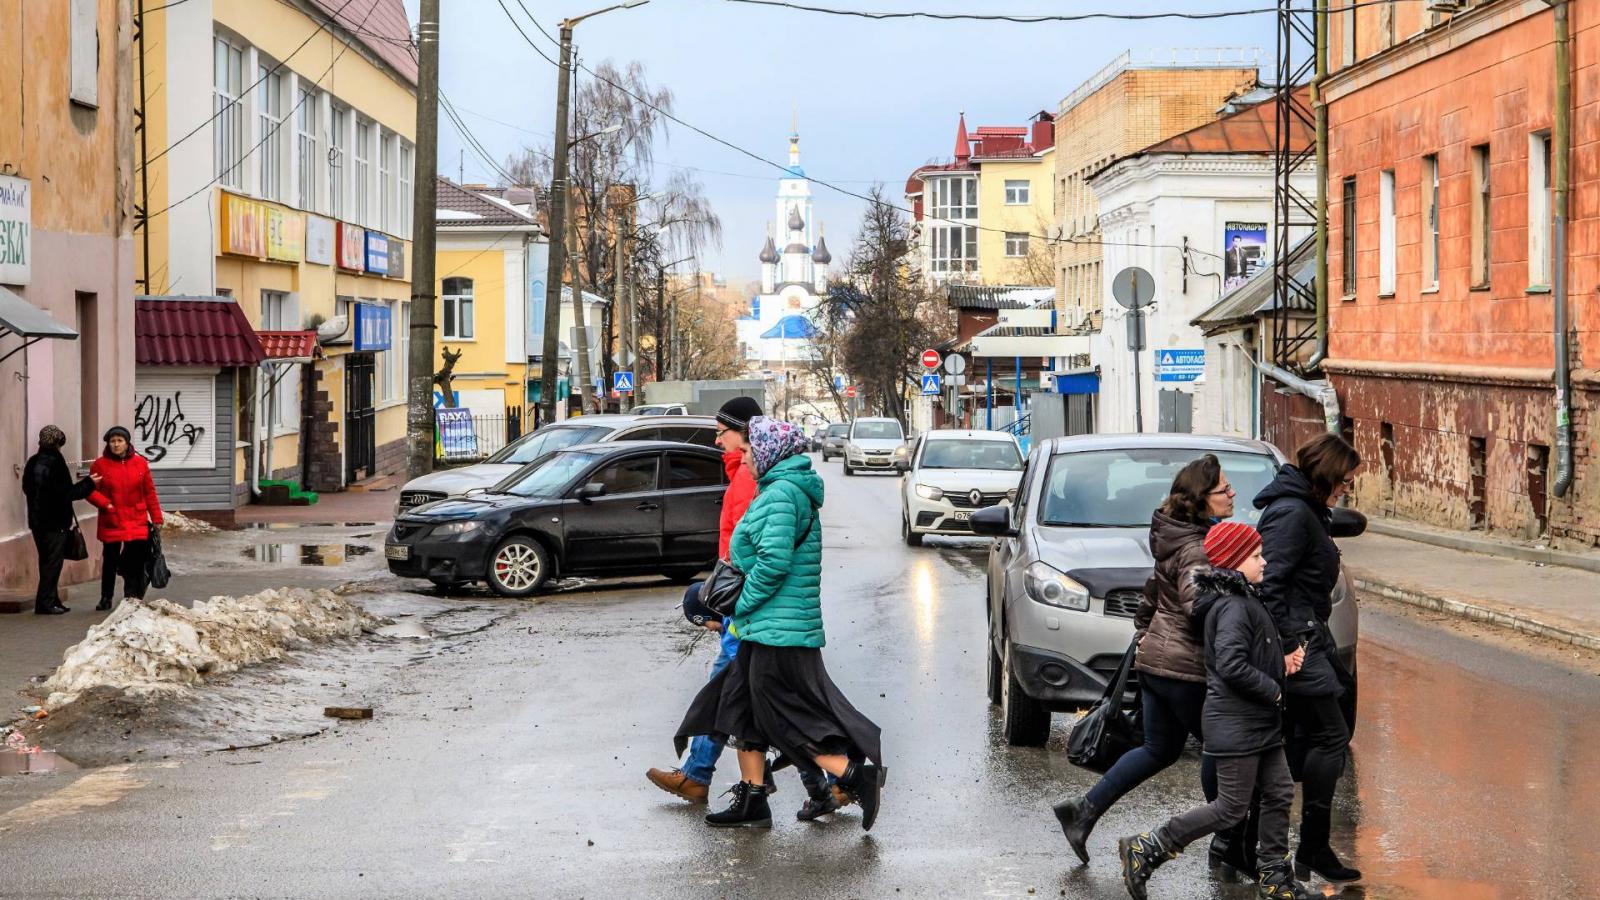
{"x": 821, "y": 802}
{"x": 104, "y": 605}
{"x": 1276, "y": 881}
{"x": 748, "y": 809}
{"x": 1141, "y": 856}
{"x": 1324, "y": 863}
{"x": 1077, "y": 820}
{"x": 53, "y": 609}
{"x": 864, "y": 781}
{"x": 1233, "y": 850}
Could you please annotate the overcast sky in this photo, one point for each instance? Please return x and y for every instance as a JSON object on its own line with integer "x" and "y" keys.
{"x": 875, "y": 99}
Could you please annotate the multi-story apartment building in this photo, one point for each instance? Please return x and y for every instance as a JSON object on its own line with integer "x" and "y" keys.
{"x": 277, "y": 172}
{"x": 1442, "y": 345}
{"x": 983, "y": 217}
{"x": 1137, "y": 100}
{"x": 66, "y": 251}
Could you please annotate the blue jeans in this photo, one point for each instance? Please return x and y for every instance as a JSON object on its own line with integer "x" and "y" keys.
{"x": 1172, "y": 711}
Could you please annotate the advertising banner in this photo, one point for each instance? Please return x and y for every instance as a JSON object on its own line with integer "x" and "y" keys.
{"x": 286, "y": 235}
{"x": 377, "y": 253}
{"x": 319, "y": 240}
{"x": 457, "y": 438}
{"x": 244, "y": 226}
{"x": 1180, "y": 365}
{"x": 16, "y": 228}
{"x": 352, "y": 247}
{"x": 538, "y": 267}
{"x": 1244, "y": 252}
{"x": 374, "y": 327}
{"x": 397, "y": 259}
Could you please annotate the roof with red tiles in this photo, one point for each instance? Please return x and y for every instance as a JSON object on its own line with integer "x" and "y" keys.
{"x": 193, "y": 331}
{"x": 289, "y": 344}
{"x": 1253, "y": 129}
{"x": 379, "y": 25}
{"x": 476, "y": 207}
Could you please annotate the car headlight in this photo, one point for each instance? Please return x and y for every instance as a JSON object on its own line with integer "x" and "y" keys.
{"x": 900, "y": 451}
{"x": 1011, "y": 495}
{"x": 1052, "y": 588}
{"x": 930, "y": 492}
{"x": 450, "y": 528}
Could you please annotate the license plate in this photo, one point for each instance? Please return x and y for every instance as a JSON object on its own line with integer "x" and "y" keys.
{"x": 960, "y": 516}
{"x": 397, "y": 551}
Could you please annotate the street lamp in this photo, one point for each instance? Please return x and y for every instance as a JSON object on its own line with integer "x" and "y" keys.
{"x": 559, "y": 187}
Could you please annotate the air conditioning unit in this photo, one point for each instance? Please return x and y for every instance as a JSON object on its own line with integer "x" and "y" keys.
{"x": 1445, "y": 6}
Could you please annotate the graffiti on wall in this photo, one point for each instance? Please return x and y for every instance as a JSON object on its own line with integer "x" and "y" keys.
{"x": 173, "y": 421}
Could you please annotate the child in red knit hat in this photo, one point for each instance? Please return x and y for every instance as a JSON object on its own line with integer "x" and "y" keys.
{"x": 1243, "y": 724}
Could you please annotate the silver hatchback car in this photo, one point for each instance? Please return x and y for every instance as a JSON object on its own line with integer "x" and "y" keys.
{"x": 1070, "y": 560}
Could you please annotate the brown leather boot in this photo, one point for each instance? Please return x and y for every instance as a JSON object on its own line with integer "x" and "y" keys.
{"x": 673, "y": 781}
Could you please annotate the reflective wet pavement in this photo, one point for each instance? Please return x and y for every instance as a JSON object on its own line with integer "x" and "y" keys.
{"x": 509, "y": 761}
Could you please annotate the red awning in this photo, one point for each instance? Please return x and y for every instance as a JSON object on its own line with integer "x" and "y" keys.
{"x": 193, "y": 331}
{"x": 300, "y": 345}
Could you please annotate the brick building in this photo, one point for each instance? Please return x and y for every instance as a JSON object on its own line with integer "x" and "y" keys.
{"x": 1135, "y": 101}
{"x": 1441, "y": 312}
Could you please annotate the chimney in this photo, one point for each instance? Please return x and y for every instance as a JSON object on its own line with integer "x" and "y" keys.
{"x": 524, "y": 199}
{"x": 1044, "y": 131}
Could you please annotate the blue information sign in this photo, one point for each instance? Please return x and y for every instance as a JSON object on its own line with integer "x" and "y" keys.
{"x": 622, "y": 382}
{"x": 930, "y": 384}
{"x": 377, "y": 253}
{"x": 1180, "y": 365}
{"x": 374, "y": 327}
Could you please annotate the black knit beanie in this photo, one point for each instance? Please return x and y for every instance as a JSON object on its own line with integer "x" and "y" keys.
{"x": 738, "y": 412}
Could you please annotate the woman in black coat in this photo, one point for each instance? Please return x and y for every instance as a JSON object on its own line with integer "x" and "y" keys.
{"x": 1302, "y": 569}
{"x": 48, "y": 485}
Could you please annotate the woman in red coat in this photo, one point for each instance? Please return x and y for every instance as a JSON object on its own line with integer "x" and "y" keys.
{"x": 126, "y": 497}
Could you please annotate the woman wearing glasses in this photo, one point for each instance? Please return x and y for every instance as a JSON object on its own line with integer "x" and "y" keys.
{"x": 1302, "y": 569}
{"x": 1171, "y": 655}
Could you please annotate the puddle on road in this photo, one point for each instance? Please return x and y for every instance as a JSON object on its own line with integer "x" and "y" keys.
{"x": 292, "y": 526}
{"x": 306, "y": 554}
{"x": 33, "y": 762}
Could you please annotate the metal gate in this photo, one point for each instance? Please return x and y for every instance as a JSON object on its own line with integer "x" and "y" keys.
{"x": 1176, "y": 411}
{"x": 360, "y": 433}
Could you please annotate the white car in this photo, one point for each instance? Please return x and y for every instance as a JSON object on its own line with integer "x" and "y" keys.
{"x": 875, "y": 444}
{"x": 952, "y": 475}
{"x": 537, "y": 445}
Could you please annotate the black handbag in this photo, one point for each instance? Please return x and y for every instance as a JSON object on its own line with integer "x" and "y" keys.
{"x": 722, "y": 587}
{"x": 76, "y": 547}
{"x": 1107, "y": 731}
{"x": 156, "y": 573}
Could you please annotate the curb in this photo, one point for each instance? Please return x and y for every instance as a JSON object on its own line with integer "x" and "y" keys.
{"x": 1393, "y": 528}
{"x": 1476, "y": 612}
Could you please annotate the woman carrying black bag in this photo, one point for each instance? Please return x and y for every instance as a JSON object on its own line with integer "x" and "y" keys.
{"x": 1171, "y": 657}
{"x": 47, "y": 483}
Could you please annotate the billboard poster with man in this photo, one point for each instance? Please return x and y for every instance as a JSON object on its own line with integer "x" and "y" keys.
{"x": 1244, "y": 252}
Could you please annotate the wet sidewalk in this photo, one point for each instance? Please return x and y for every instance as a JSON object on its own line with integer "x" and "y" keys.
{"x": 1551, "y": 601}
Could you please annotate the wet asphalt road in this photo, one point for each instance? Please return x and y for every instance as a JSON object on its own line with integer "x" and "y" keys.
{"x": 509, "y": 761}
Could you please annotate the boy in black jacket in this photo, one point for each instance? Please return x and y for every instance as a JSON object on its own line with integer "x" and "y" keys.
{"x": 1243, "y": 721}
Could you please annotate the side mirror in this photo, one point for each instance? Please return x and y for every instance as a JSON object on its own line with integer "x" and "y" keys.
{"x": 993, "y": 521}
{"x": 1347, "y": 523}
{"x": 902, "y": 466}
{"x": 591, "y": 490}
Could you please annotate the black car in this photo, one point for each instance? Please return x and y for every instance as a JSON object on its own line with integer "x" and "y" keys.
{"x": 632, "y": 508}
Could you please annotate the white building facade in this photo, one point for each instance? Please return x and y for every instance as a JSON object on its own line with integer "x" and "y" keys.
{"x": 794, "y": 277}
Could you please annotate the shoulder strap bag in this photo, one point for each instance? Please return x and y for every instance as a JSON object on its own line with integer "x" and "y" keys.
{"x": 1108, "y": 730}
{"x": 76, "y": 547}
{"x": 723, "y": 586}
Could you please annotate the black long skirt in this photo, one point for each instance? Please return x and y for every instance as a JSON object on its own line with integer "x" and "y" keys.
{"x": 780, "y": 697}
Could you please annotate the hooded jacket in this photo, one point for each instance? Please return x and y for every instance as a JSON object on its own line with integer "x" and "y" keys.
{"x": 48, "y": 485}
{"x": 1244, "y": 666}
{"x": 778, "y": 547}
{"x": 126, "y": 498}
{"x": 735, "y": 500}
{"x": 1302, "y": 570}
{"x": 1170, "y": 640}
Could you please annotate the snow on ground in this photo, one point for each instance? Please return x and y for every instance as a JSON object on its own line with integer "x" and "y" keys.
{"x": 149, "y": 647}
{"x": 174, "y": 521}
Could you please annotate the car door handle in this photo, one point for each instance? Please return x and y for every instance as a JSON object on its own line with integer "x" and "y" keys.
{"x": 647, "y": 506}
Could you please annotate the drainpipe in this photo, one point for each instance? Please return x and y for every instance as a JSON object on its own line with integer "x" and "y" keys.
{"x": 1561, "y": 153}
{"x": 1320, "y": 391}
{"x": 1320, "y": 110}
{"x": 253, "y": 465}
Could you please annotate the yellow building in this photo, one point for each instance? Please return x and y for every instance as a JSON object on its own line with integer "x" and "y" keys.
{"x": 277, "y": 172}
{"x": 982, "y": 218}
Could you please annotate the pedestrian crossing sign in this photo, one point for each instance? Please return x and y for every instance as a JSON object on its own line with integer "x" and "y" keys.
{"x": 622, "y": 382}
{"x": 930, "y": 384}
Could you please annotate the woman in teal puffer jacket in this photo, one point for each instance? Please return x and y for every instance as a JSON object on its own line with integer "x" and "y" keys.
{"x": 777, "y": 692}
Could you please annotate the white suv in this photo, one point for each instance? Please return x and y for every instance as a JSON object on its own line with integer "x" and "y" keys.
{"x": 875, "y": 444}
{"x": 952, "y": 475}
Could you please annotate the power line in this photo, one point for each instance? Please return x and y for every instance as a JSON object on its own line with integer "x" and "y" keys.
{"x": 1017, "y": 19}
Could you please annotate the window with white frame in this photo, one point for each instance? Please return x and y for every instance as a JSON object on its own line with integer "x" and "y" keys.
{"x": 1430, "y": 222}
{"x": 458, "y": 309}
{"x": 269, "y": 135}
{"x": 1016, "y": 243}
{"x": 955, "y": 248}
{"x": 1386, "y": 233}
{"x": 955, "y": 198}
{"x": 1539, "y": 206}
{"x": 1017, "y": 191}
{"x": 228, "y": 133}
{"x": 390, "y": 361}
{"x": 278, "y": 313}
{"x": 338, "y": 161}
{"x": 305, "y": 148}
{"x": 386, "y": 187}
{"x": 361, "y": 174}
{"x": 407, "y": 163}
{"x": 402, "y": 341}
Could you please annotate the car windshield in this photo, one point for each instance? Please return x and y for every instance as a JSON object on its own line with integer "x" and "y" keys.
{"x": 878, "y": 431}
{"x": 1122, "y": 488}
{"x": 549, "y": 477}
{"x": 948, "y": 454}
{"x": 546, "y": 441}
{"x": 838, "y": 430}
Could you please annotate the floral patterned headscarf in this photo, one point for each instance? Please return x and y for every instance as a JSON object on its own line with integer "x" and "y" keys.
{"x": 772, "y": 442}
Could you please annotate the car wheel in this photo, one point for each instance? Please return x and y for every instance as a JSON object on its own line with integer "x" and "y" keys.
{"x": 847, "y": 469}
{"x": 1024, "y": 720}
{"x": 911, "y": 538}
{"x": 996, "y": 672}
{"x": 518, "y": 567}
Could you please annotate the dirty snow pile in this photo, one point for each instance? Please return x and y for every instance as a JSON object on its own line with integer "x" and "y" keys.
{"x": 146, "y": 647}
{"x": 178, "y": 522}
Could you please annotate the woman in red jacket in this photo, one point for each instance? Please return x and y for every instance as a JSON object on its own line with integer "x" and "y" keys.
{"x": 126, "y": 498}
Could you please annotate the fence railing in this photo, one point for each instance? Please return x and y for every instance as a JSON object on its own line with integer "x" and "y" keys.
{"x": 461, "y": 434}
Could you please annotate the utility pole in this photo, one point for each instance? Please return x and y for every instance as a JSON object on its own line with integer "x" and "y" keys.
{"x": 558, "y": 212}
{"x": 424, "y": 222}
{"x": 580, "y": 333}
{"x": 661, "y": 315}
{"x": 619, "y": 297}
